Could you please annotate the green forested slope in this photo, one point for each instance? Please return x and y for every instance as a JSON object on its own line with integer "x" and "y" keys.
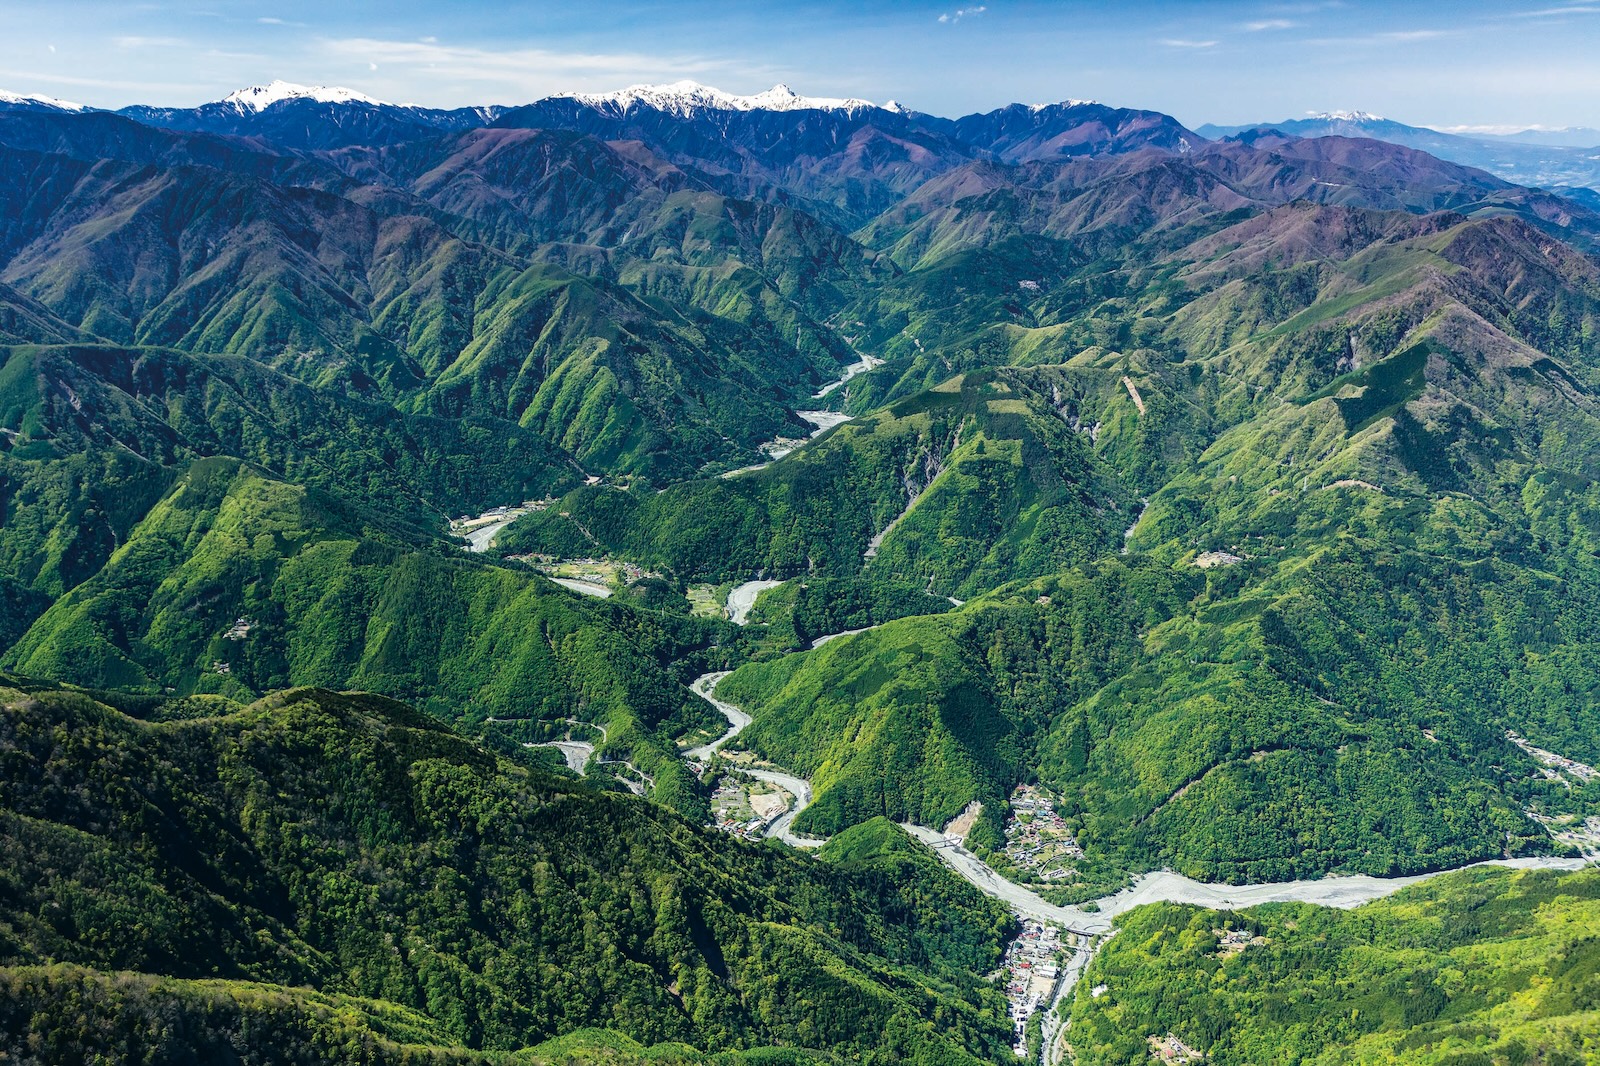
{"x": 63, "y": 1013}
{"x": 1480, "y": 967}
{"x": 1267, "y": 471}
{"x": 962, "y": 487}
{"x": 377, "y": 293}
{"x": 1420, "y": 486}
{"x": 314, "y": 592}
{"x": 349, "y": 844}
{"x": 1343, "y": 711}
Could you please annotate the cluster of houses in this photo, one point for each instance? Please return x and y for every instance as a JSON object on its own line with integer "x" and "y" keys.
{"x": 1170, "y": 1049}
{"x": 467, "y": 523}
{"x": 1232, "y": 941}
{"x": 1572, "y": 830}
{"x": 1038, "y": 840}
{"x": 1030, "y": 969}
{"x": 743, "y": 812}
{"x": 1554, "y": 766}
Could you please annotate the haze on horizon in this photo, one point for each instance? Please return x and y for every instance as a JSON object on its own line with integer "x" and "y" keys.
{"x": 1468, "y": 64}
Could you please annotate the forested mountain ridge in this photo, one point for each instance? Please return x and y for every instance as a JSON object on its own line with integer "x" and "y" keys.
{"x": 1237, "y": 493}
{"x": 353, "y": 846}
{"x": 957, "y": 489}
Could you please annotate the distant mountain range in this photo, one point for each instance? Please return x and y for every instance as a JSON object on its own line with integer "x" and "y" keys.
{"x": 323, "y": 117}
{"x": 1547, "y": 159}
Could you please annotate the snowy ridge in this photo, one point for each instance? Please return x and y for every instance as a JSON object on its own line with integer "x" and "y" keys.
{"x": 1345, "y": 116}
{"x": 684, "y": 98}
{"x": 258, "y": 98}
{"x": 1069, "y": 102}
{"x": 24, "y": 100}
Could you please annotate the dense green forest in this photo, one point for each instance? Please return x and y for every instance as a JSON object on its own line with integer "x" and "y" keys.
{"x": 1345, "y": 711}
{"x": 956, "y": 490}
{"x": 1241, "y": 493}
{"x": 351, "y": 845}
{"x": 313, "y": 593}
{"x": 1484, "y": 966}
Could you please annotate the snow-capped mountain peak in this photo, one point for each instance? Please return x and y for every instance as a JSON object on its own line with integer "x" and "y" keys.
{"x": 1068, "y": 102}
{"x": 686, "y": 97}
{"x": 12, "y": 99}
{"x": 260, "y": 97}
{"x": 1345, "y": 116}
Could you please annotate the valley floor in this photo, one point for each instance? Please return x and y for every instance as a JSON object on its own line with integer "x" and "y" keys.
{"x": 1084, "y": 927}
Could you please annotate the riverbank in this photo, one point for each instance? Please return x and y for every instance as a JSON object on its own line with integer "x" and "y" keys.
{"x": 743, "y": 598}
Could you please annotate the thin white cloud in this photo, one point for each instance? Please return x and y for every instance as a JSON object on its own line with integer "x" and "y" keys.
{"x": 1385, "y": 38}
{"x": 1499, "y": 130}
{"x": 1558, "y": 12}
{"x": 149, "y": 42}
{"x": 521, "y": 73}
{"x": 1416, "y": 35}
{"x": 1262, "y": 25}
{"x": 1181, "y": 42}
{"x": 963, "y": 12}
{"x": 139, "y": 85}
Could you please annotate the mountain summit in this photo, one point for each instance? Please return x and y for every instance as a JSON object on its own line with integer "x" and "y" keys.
{"x": 10, "y": 101}
{"x": 1344, "y": 116}
{"x": 687, "y": 97}
{"x": 258, "y": 98}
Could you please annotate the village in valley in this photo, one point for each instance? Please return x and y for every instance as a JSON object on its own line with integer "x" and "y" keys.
{"x": 1039, "y": 844}
{"x": 744, "y": 807}
{"x": 1030, "y": 971}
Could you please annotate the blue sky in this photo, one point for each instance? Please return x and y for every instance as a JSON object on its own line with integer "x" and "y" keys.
{"x": 1445, "y": 64}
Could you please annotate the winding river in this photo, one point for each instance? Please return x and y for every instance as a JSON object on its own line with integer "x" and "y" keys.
{"x": 796, "y": 787}
{"x": 1093, "y": 926}
{"x": 737, "y": 719}
{"x": 743, "y": 598}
